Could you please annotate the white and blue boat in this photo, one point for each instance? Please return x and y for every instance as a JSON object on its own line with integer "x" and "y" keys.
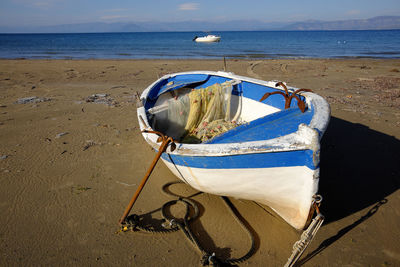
{"x": 271, "y": 154}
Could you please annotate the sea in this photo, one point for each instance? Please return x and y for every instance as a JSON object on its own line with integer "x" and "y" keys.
{"x": 180, "y": 45}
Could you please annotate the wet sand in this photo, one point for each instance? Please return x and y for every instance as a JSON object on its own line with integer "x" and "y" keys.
{"x": 69, "y": 167}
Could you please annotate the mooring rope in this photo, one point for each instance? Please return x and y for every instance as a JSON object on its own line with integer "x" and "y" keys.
{"x": 172, "y": 224}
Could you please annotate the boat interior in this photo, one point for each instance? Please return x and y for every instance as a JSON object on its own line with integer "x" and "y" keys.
{"x": 201, "y": 108}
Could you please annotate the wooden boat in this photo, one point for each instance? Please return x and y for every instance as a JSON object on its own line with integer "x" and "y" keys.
{"x": 207, "y": 39}
{"x": 265, "y": 151}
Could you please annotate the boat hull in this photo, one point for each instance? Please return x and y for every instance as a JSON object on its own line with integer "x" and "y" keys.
{"x": 208, "y": 39}
{"x": 288, "y": 190}
{"x": 272, "y": 167}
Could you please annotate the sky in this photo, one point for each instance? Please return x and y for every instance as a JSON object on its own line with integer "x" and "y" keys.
{"x": 54, "y": 12}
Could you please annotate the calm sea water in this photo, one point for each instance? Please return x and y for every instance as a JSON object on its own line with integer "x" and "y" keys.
{"x": 167, "y": 45}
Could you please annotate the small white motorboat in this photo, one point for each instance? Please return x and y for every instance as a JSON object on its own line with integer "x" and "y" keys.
{"x": 207, "y": 39}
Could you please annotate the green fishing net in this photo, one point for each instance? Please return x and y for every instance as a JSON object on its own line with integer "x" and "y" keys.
{"x": 201, "y": 114}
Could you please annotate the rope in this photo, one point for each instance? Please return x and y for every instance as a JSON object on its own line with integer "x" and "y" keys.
{"x": 250, "y": 234}
{"x": 172, "y": 224}
{"x": 308, "y": 235}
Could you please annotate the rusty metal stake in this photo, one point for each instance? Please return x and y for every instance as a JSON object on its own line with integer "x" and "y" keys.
{"x": 165, "y": 141}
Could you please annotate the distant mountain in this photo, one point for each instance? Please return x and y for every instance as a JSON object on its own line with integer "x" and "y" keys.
{"x": 376, "y": 23}
{"x": 76, "y": 28}
{"x": 239, "y": 25}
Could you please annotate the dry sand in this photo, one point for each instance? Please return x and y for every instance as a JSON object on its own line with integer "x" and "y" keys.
{"x": 69, "y": 167}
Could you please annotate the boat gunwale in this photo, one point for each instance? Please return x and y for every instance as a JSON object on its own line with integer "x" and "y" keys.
{"x": 307, "y": 136}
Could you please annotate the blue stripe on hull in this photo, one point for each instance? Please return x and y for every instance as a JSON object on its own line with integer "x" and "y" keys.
{"x": 243, "y": 161}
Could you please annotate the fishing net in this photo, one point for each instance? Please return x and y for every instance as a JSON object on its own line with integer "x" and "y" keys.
{"x": 201, "y": 114}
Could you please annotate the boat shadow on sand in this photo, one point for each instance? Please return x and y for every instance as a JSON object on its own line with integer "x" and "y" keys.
{"x": 359, "y": 168}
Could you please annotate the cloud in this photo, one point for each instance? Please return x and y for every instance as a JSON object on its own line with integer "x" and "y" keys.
{"x": 189, "y": 6}
{"x": 353, "y": 12}
{"x": 114, "y": 14}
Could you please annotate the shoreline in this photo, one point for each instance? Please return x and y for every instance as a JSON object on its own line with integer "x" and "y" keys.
{"x": 244, "y": 57}
{"x": 69, "y": 167}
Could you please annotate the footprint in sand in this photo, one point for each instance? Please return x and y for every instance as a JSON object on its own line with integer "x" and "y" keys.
{"x": 250, "y": 70}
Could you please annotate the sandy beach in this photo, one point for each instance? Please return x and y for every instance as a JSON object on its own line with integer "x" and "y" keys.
{"x": 69, "y": 166}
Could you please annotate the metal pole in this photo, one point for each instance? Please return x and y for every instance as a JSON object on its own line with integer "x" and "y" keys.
{"x": 163, "y": 147}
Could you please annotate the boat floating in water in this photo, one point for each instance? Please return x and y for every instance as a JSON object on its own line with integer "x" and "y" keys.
{"x": 239, "y": 137}
{"x": 207, "y": 39}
